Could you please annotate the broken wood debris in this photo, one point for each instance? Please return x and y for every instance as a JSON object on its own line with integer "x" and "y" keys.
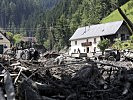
{"x": 72, "y": 80}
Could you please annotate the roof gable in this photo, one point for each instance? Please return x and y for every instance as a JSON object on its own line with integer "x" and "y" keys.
{"x": 97, "y": 30}
{"x": 4, "y": 37}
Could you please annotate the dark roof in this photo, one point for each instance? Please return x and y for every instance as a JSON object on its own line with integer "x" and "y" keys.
{"x": 29, "y": 39}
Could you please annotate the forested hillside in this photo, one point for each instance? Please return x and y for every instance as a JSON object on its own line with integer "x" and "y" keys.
{"x": 53, "y": 21}
{"x": 68, "y": 15}
{"x": 16, "y": 14}
{"x": 115, "y": 16}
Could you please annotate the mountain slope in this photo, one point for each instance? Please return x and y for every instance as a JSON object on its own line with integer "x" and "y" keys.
{"x": 68, "y": 15}
{"x": 115, "y": 16}
{"x": 22, "y": 13}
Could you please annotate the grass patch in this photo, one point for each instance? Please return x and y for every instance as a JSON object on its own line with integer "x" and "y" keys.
{"x": 115, "y": 16}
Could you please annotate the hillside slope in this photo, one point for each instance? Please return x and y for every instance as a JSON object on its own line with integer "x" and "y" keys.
{"x": 23, "y": 13}
{"x": 68, "y": 15}
{"x": 115, "y": 16}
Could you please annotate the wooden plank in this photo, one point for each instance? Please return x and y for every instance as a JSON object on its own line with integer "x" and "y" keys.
{"x": 9, "y": 88}
{"x": 2, "y": 94}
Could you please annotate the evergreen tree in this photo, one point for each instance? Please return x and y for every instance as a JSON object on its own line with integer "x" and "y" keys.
{"x": 62, "y": 17}
{"x": 41, "y": 33}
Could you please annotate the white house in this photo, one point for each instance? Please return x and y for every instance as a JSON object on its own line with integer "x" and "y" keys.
{"x": 4, "y": 42}
{"x": 86, "y": 39}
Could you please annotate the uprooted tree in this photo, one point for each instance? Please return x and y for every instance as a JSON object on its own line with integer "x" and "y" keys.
{"x": 103, "y": 44}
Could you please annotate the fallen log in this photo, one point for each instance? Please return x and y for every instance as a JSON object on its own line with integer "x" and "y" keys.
{"x": 18, "y": 75}
{"x": 9, "y": 88}
{"x": 43, "y": 89}
{"x": 126, "y": 88}
{"x": 26, "y": 92}
{"x": 2, "y": 94}
{"x": 12, "y": 75}
{"x": 108, "y": 64}
{"x": 126, "y": 19}
{"x": 8, "y": 85}
{"x": 47, "y": 98}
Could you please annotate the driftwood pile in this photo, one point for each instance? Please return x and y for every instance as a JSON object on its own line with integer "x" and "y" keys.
{"x": 81, "y": 80}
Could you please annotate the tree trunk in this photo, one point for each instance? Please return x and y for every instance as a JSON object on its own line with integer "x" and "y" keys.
{"x": 126, "y": 19}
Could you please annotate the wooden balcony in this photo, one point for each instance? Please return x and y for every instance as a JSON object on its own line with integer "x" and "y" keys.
{"x": 87, "y": 44}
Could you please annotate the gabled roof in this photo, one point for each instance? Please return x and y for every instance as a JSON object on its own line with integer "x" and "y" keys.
{"x": 5, "y": 35}
{"x": 97, "y": 30}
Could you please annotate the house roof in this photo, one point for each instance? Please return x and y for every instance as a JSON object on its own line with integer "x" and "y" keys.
{"x": 5, "y": 35}
{"x": 29, "y": 39}
{"x": 97, "y": 30}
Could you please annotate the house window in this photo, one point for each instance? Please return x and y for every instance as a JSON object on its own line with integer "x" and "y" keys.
{"x": 127, "y": 37}
{"x": 84, "y": 50}
{"x": 87, "y": 49}
{"x": 123, "y": 37}
{"x": 1, "y": 38}
{"x": 78, "y": 50}
{"x": 74, "y": 50}
{"x": 75, "y": 42}
{"x": 94, "y": 49}
{"x": 95, "y": 40}
{"x": 86, "y": 40}
{"x": 5, "y": 46}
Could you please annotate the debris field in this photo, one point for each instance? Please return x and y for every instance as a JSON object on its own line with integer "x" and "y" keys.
{"x": 74, "y": 79}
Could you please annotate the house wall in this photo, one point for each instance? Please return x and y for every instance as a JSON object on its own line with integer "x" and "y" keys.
{"x": 4, "y": 41}
{"x": 123, "y": 30}
{"x": 83, "y": 49}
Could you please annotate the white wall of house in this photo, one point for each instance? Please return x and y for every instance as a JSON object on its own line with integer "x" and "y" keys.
{"x": 74, "y": 47}
{"x": 120, "y": 28}
{"x": 83, "y": 49}
{"x": 5, "y": 42}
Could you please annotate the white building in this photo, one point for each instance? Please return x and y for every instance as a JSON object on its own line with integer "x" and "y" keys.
{"x": 4, "y": 42}
{"x": 86, "y": 39}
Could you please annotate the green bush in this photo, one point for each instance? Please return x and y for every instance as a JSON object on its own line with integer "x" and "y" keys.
{"x": 103, "y": 44}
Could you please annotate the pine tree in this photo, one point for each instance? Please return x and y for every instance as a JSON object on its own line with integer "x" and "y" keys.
{"x": 41, "y": 33}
